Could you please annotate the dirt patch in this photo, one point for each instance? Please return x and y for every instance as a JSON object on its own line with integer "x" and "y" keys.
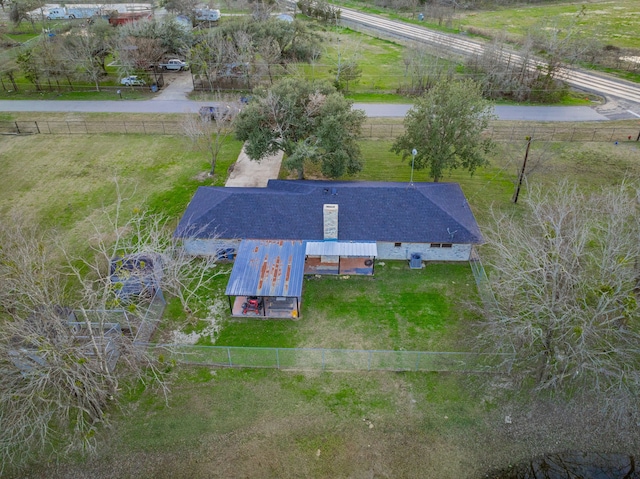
{"x": 204, "y": 176}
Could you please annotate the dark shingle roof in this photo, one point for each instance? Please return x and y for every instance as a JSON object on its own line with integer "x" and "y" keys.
{"x": 288, "y": 209}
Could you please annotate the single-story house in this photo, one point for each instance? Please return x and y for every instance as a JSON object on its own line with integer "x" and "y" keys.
{"x": 433, "y": 220}
{"x": 323, "y": 227}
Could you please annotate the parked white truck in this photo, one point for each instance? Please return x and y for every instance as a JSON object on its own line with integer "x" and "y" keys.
{"x": 207, "y": 15}
{"x": 67, "y": 13}
{"x": 174, "y": 64}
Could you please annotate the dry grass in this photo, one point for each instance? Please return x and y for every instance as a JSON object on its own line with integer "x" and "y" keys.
{"x": 272, "y": 425}
{"x": 63, "y": 182}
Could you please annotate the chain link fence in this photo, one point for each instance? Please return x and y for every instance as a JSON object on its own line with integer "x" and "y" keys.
{"x": 482, "y": 283}
{"x": 373, "y": 131}
{"x": 330, "y": 359}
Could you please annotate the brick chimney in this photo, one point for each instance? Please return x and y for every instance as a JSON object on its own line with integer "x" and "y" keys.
{"x": 330, "y": 215}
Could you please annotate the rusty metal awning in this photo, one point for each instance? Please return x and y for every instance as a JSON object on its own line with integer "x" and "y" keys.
{"x": 342, "y": 248}
{"x": 268, "y": 268}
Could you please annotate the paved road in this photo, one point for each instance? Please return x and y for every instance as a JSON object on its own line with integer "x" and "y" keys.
{"x": 524, "y": 113}
{"x": 584, "y": 80}
{"x": 530, "y": 113}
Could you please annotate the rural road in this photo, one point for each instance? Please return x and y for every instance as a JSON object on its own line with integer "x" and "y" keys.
{"x": 373, "y": 110}
{"x": 173, "y": 98}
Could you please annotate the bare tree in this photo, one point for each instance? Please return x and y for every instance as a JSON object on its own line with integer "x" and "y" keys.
{"x": 61, "y": 337}
{"x": 520, "y": 76}
{"x": 564, "y": 276}
{"x": 422, "y": 69}
{"x": 209, "y": 131}
{"x": 138, "y": 53}
{"x": 243, "y": 54}
{"x": 141, "y": 233}
{"x": 209, "y": 59}
{"x": 57, "y": 376}
{"x": 345, "y": 68}
{"x": 262, "y": 9}
{"x": 87, "y": 50}
{"x": 22, "y": 10}
{"x": 270, "y": 55}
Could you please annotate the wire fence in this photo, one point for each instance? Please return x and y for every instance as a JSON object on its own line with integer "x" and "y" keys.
{"x": 482, "y": 283}
{"x": 327, "y": 359}
{"x": 62, "y": 127}
{"x": 379, "y": 131}
{"x": 510, "y": 133}
{"x": 139, "y": 322}
{"x": 331, "y": 359}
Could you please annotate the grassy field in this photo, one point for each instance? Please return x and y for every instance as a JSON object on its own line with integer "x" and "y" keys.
{"x": 231, "y": 423}
{"x": 612, "y": 23}
{"x": 156, "y": 172}
{"x": 381, "y": 61}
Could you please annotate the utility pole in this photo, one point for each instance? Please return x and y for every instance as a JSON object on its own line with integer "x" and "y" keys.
{"x": 524, "y": 165}
{"x": 414, "y": 152}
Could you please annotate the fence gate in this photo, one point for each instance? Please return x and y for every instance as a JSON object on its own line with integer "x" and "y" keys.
{"x": 19, "y": 128}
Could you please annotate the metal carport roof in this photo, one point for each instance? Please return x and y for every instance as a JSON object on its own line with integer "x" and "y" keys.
{"x": 268, "y": 268}
{"x": 342, "y": 248}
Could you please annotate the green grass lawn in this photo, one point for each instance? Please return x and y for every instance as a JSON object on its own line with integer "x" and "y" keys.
{"x": 380, "y": 61}
{"x": 267, "y": 424}
{"x": 396, "y": 309}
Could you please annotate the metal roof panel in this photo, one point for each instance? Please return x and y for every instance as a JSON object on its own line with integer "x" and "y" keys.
{"x": 268, "y": 268}
{"x": 341, "y": 248}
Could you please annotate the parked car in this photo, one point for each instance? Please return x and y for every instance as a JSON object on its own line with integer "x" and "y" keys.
{"x": 217, "y": 112}
{"x": 174, "y": 64}
{"x": 136, "y": 275}
{"x": 133, "y": 80}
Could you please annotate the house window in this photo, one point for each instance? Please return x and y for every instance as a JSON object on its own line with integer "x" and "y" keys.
{"x": 441, "y": 245}
{"x": 436, "y": 245}
{"x": 397, "y": 245}
{"x": 447, "y": 245}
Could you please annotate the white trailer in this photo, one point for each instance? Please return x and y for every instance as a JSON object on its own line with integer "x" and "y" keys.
{"x": 63, "y": 13}
{"x": 207, "y": 15}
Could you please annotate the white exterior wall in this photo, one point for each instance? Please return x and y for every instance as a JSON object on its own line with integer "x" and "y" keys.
{"x": 202, "y": 247}
{"x": 386, "y": 250}
{"x": 457, "y": 252}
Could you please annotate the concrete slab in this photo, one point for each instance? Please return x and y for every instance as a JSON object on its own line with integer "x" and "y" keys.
{"x": 247, "y": 173}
